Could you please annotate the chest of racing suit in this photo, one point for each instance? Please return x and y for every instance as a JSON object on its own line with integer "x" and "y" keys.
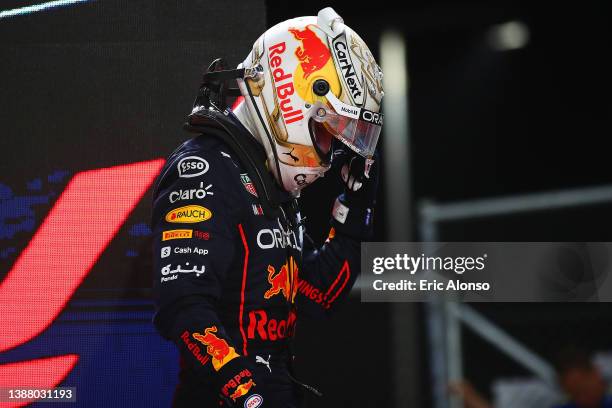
{"x": 231, "y": 281}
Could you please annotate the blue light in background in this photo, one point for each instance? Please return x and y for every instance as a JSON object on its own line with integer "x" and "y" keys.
{"x": 57, "y": 176}
{"x": 35, "y": 8}
{"x": 16, "y": 212}
{"x": 4, "y": 253}
{"x": 140, "y": 230}
{"x": 35, "y": 184}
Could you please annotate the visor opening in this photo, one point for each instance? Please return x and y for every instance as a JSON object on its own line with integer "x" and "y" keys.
{"x": 322, "y": 140}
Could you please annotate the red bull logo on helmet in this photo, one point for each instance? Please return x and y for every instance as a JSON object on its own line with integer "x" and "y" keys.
{"x": 314, "y": 62}
{"x": 313, "y": 53}
{"x": 283, "y": 82}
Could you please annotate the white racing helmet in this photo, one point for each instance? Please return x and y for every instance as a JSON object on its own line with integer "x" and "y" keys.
{"x": 310, "y": 79}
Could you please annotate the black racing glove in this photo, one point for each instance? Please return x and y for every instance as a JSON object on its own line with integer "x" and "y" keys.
{"x": 353, "y": 210}
{"x": 360, "y": 186}
{"x": 238, "y": 386}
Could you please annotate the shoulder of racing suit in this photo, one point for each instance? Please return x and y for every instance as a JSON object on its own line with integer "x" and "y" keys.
{"x": 199, "y": 157}
{"x": 197, "y": 202}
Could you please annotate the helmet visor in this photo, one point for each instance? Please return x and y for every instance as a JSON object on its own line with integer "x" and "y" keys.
{"x": 322, "y": 140}
{"x": 358, "y": 128}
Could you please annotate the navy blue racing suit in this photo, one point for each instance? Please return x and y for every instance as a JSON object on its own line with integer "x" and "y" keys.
{"x": 230, "y": 281}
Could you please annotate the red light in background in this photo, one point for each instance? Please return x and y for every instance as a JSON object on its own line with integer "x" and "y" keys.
{"x": 66, "y": 246}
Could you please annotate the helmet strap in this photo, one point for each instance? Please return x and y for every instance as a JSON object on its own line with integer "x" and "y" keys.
{"x": 214, "y": 90}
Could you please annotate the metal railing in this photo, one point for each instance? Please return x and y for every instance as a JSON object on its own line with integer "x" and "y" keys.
{"x": 444, "y": 318}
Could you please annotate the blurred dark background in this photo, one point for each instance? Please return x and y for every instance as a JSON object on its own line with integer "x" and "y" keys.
{"x": 109, "y": 82}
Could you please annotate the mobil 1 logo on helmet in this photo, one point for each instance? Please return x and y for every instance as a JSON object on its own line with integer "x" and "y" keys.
{"x": 192, "y": 166}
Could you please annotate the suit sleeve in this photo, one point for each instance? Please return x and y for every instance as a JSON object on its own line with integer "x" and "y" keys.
{"x": 194, "y": 232}
{"x": 329, "y": 273}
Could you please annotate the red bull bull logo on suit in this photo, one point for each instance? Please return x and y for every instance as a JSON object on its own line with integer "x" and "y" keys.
{"x": 216, "y": 347}
{"x": 284, "y": 281}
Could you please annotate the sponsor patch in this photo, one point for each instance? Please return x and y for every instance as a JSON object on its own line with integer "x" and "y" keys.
{"x": 264, "y": 327}
{"x": 177, "y": 234}
{"x": 190, "y": 250}
{"x": 165, "y": 252}
{"x": 257, "y": 210}
{"x": 169, "y": 273}
{"x": 189, "y": 214}
{"x": 253, "y": 401}
{"x": 248, "y": 185}
{"x": 313, "y": 53}
{"x": 192, "y": 166}
{"x": 342, "y": 54}
{"x": 191, "y": 193}
{"x": 202, "y": 235}
{"x": 263, "y": 361}
{"x": 216, "y": 347}
{"x": 269, "y": 238}
{"x": 284, "y": 281}
{"x": 242, "y": 389}
{"x": 283, "y": 83}
{"x": 194, "y": 348}
{"x": 372, "y": 117}
{"x": 236, "y": 382}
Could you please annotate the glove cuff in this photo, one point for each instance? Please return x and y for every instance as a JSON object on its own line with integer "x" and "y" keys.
{"x": 236, "y": 382}
{"x": 353, "y": 220}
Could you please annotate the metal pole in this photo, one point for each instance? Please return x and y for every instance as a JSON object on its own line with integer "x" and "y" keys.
{"x": 398, "y": 188}
{"x": 443, "y": 330}
{"x": 454, "y": 354}
{"x": 437, "y": 353}
{"x": 396, "y": 136}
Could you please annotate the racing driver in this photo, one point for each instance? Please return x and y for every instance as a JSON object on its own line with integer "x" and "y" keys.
{"x": 233, "y": 267}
